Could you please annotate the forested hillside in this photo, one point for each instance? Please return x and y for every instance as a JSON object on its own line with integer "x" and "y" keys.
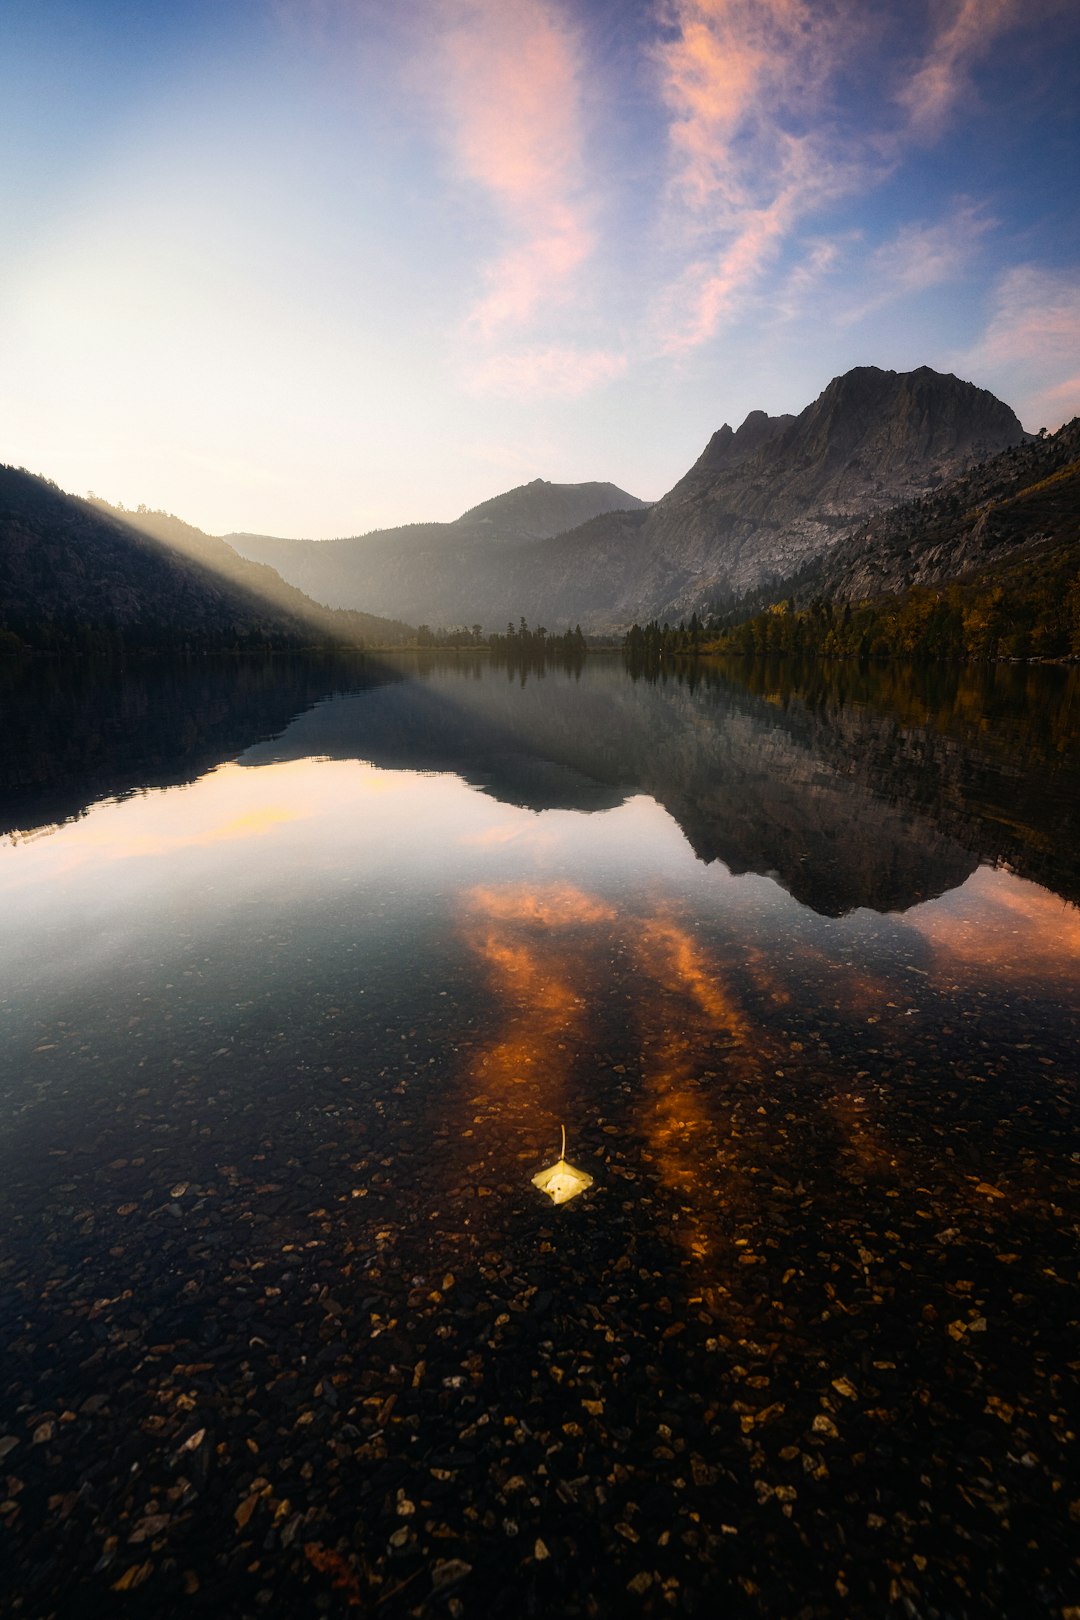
{"x": 1022, "y": 608}
{"x": 80, "y": 576}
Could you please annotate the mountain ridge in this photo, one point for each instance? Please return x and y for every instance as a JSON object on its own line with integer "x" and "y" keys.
{"x": 459, "y": 572}
{"x": 542, "y": 509}
{"x": 729, "y": 448}
{"x": 759, "y": 506}
{"x": 759, "y": 502}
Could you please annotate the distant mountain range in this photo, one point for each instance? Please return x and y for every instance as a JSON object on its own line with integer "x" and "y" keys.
{"x": 757, "y": 504}
{"x": 881, "y": 481}
{"x": 480, "y": 568}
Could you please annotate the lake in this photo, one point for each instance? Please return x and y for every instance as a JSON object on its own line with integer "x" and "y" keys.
{"x": 306, "y": 966}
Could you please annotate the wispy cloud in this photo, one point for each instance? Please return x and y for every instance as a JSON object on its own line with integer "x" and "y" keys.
{"x": 920, "y": 256}
{"x": 759, "y": 144}
{"x": 708, "y": 291}
{"x": 821, "y": 258}
{"x": 511, "y": 90}
{"x": 965, "y": 31}
{"x": 1030, "y": 350}
{"x": 729, "y": 68}
{"x": 746, "y": 85}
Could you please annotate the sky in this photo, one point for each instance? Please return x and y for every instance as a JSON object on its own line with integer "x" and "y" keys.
{"x": 312, "y": 267}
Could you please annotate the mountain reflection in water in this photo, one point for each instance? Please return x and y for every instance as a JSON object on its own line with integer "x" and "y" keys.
{"x": 853, "y": 788}
{"x": 305, "y": 964}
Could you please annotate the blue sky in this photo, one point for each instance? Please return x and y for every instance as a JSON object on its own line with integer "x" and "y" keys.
{"x": 313, "y": 266}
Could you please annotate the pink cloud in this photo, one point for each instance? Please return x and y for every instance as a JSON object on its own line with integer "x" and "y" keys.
{"x": 758, "y": 142}
{"x": 725, "y": 76}
{"x": 740, "y": 78}
{"x": 512, "y": 98}
{"x": 967, "y": 31}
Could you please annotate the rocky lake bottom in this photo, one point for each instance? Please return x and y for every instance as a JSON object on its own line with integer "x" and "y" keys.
{"x": 307, "y": 964}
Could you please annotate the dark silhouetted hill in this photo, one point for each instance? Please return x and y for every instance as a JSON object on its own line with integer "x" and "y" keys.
{"x": 78, "y": 575}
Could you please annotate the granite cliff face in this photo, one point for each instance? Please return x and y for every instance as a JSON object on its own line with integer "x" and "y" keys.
{"x": 871, "y": 440}
{"x": 1024, "y": 501}
{"x": 726, "y": 450}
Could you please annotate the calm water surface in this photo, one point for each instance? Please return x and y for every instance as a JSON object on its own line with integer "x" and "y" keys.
{"x": 304, "y": 966}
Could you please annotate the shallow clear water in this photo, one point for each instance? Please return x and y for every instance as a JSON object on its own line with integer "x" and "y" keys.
{"x": 305, "y": 964}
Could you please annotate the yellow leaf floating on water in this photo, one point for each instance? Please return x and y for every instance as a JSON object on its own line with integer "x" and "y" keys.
{"x": 561, "y": 1181}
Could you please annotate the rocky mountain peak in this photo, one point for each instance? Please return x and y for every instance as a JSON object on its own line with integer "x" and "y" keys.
{"x": 539, "y": 509}
{"x": 760, "y": 503}
{"x": 728, "y": 449}
{"x": 915, "y": 425}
